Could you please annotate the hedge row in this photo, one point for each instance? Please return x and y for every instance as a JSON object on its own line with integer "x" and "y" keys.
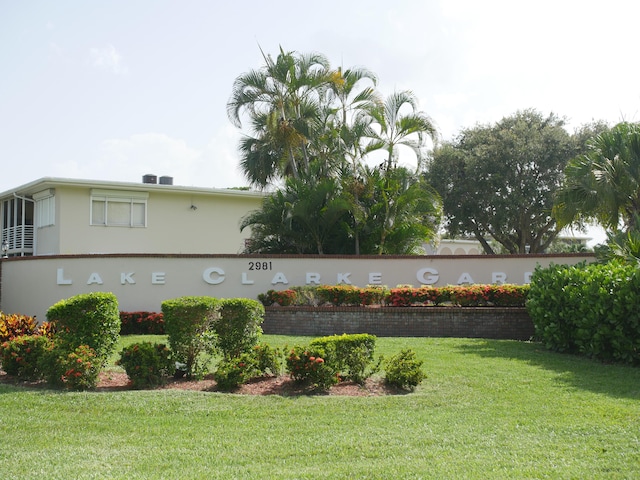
{"x": 141, "y": 323}
{"x": 506, "y": 295}
{"x": 592, "y": 310}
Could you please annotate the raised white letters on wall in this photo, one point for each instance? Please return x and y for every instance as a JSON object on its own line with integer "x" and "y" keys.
{"x": 216, "y": 276}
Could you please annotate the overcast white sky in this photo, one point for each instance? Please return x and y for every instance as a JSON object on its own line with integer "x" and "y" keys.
{"x": 118, "y": 89}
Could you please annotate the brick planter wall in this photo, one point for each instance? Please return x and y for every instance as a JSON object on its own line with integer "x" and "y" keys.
{"x": 467, "y": 322}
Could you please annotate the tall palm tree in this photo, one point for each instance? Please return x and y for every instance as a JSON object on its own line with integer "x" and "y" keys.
{"x": 604, "y": 184}
{"x": 400, "y": 123}
{"x": 281, "y": 99}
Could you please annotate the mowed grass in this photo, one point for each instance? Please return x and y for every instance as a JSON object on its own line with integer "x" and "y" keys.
{"x": 488, "y": 409}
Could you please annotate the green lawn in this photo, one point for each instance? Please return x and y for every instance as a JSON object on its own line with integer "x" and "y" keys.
{"x": 488, "y": 409}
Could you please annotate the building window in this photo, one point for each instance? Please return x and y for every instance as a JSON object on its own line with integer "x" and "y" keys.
{"x": 45, "y": 208}
{"x": 114, "y": 208}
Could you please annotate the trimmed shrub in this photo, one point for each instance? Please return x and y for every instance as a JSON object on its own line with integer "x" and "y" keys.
{"x": 22, "y": 356}
{"x": 284, "y": 298}
{"x": 306, "y": 295}
{"x": 188, "y": 322}
{"x": 81, "y": 368}
{"x": 469, "y": 295}
{"x": 16, "y": 325}
{"x": 268, "y": 359}
{"x": 349, "y": 355}
{"x": 233, "y": 372}
{"x": 425, "y": 295}
{"x": 404, "y": 370}
{"x": 260, "y": 361}
{"x": 506, "y": 295}
{"x": 339, "y": 294}
{"x": 239, "y": 326}
{"x": 76, "y": 370}
{"x": 307, "y": 365}
{"x": 141, "y": 323}
{"x": 592, "y": 310}
{"x": 147, "y": 364}
{"x": 90, "y": 319}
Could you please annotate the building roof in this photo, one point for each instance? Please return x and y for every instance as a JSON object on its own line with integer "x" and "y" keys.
{"x": 52, "y": 182}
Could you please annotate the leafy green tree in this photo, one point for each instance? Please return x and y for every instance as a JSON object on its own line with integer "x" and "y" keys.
{"x": 499, "y": 181}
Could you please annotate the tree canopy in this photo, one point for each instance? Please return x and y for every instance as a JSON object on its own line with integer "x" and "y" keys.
{"x": 498, "y": 182}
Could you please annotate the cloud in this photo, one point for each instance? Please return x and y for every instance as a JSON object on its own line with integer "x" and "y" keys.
{"x": 128, "y": 159}
{"x": 108, "y": 59}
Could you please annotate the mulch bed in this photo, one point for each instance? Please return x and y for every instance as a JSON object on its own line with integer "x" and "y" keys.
{"x": 282, "y": 385}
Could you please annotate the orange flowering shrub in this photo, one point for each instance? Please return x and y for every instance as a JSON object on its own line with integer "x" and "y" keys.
{"x": 284, "y": 298}
{"x": 306, "y": 364}
{"x": 21, "y": 356}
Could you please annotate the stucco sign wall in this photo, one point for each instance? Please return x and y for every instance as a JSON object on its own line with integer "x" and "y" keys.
{"x": 30, "y": 285}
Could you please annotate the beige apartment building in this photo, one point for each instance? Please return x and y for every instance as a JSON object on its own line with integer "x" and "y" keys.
{"x": 60, "y": 216}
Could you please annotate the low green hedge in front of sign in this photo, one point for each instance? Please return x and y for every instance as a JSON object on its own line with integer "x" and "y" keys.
{"x": 593, "y": 310}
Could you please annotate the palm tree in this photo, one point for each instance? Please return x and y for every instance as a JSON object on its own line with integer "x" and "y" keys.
{"x": 396, "y": 126}
{"x": 281, "y": 99}
{"x": 604, "y": 184}
{"x": 306, "y": 216}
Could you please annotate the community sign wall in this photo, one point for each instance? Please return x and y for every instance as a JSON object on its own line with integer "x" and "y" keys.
{"x": 30, "y": 285}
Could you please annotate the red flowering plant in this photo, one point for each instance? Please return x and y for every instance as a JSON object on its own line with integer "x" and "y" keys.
{"x": 21, "y": 356}
{"x": 470, "y": 295}
{"x": 425, "y": 295}
{"x": 339, "y": 294}
{"x": 508, "y": 295}
{"x": 307, "y": 365}
{"x": 232, "y": 372}
{"x": 141, "y": 323}
{"x": 373, "y": 295}
{"x": 284, "y": 298}
{"x": 81, "y": 368}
